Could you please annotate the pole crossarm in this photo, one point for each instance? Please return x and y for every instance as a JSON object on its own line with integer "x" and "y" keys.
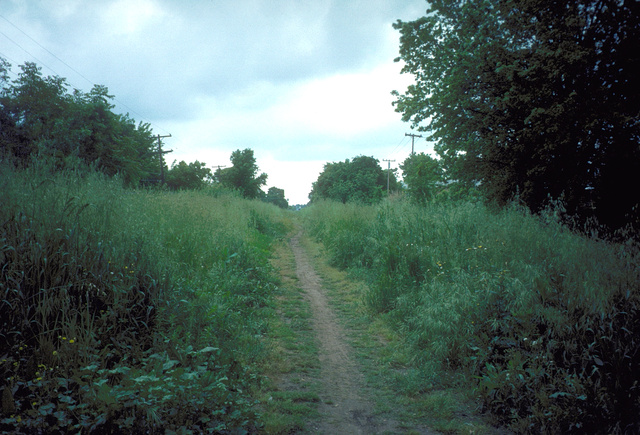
{"x": 413, "y": 136}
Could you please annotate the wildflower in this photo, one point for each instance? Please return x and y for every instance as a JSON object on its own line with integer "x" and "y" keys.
{"x": 55, "y": 353}
{"x": 72, "y": 341}
{"x": 18, "y": 419}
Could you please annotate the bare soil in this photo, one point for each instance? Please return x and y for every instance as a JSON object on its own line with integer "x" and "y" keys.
{"x": 344, "y": 408}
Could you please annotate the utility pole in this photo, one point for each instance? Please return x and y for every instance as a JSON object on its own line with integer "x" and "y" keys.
{"x": 388, "y": 172}
{"x": 160, "y": 153}
{"x": 413, "y": 136}
{"x": 219, "y": 170}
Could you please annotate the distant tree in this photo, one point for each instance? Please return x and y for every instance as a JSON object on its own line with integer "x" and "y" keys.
{"x": 531, "y": 98}
{"x": 276, "y": 197}
{"x": 423, "y": 176}
{"x": 188, "y": 176}
{"x": 243, "y": 175}
{"x": 359, "y": 180}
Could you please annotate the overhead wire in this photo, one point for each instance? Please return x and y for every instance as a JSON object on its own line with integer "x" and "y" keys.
{"x": 398, "y": 147}
{"x": 92, "y": 83}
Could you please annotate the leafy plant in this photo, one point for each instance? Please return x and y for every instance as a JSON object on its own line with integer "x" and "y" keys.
{"x": 136, "y": 311}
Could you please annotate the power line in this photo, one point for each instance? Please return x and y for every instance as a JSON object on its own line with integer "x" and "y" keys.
{"x": 25, "y": 50}
{"x": 398, "y": 146}
{"x": 47, "y": 50}
{"x": 140, "y": 116}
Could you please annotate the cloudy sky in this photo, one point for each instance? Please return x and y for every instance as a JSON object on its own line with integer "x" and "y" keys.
{"x": 301, "y": 82}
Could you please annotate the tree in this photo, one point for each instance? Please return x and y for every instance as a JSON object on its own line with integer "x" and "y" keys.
{"x": 359, "y": 180}
{"x": 41, "y": 120}
{"x": 422, "y": 174}
{"x": 531, "y": 98}
{"x": 188, "y": 176}
{"x": 242, "y": 175}
{"x": 276, "y": 196}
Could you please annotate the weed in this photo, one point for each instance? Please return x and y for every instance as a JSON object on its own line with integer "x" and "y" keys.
{"x": 543, "y": 320}
{"x": 130, "y": 310}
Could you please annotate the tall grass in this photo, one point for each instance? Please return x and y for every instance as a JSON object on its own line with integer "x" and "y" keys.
{"x": 544, "y": 321}
{"x": 129, "y": 310}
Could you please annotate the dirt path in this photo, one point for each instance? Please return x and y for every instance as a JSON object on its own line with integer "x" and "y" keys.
{"x": 344, "y": 407}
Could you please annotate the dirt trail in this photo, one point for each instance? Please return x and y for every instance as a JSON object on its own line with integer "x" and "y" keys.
{"x": 344, "y": 407}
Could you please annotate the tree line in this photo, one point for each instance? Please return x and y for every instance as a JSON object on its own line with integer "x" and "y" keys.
{"x": 363, "y": 180}
{"x": 41, "y": 120}
{"x": 526, "y": 101}
{"x": 531, "y": 100}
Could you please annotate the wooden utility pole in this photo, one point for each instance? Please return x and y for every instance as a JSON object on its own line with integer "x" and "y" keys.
{"x": 160, "y": 154}
{"x": 413, "y": 136}
{"x": 388, "y": 172}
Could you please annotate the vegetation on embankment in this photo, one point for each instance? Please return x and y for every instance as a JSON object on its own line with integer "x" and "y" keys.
{"x": 542, "y": 322}
{"x": 130, "y": 310}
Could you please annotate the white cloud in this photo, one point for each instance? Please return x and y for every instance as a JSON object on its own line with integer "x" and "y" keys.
{"x": 343, "y": 105}
{"x": 131, "y": 17}
{"x": 296, "y": 81}
{"x": 295, "y": 178}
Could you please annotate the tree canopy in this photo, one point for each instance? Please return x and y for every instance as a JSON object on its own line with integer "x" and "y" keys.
{"x": 41, "y": 119}
{"x": 359, "y": 180}
{"x": 188, "y": 176}
{"x": 243, "y": 175}
{"x": 422, "y": 175}
{"x": 529, "y": 98}
{"x": 276, "y": 196}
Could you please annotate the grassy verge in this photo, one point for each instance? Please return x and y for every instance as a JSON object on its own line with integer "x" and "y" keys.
{"x": 397, "y": 387}
{"x": 131, "y": 310}
{"x": 290, "y": 395}
{"x": 541, "y": 322}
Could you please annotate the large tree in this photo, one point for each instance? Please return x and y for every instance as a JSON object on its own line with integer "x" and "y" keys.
{"x": 531, "y": 98}
{"x": 193, "y": 175}
{"x": 41, "y": 120}
{"x": 359, "y": 180}
{"x": 243, "y": 175}
{"x": 422, "y": 175}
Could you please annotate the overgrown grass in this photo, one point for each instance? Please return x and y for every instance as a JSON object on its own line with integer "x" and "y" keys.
{"x": 130, "y": 311}
{"x": 290, "y": 396}
{"x": 544, "y": 322}
{"x": 395, "y": 385}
